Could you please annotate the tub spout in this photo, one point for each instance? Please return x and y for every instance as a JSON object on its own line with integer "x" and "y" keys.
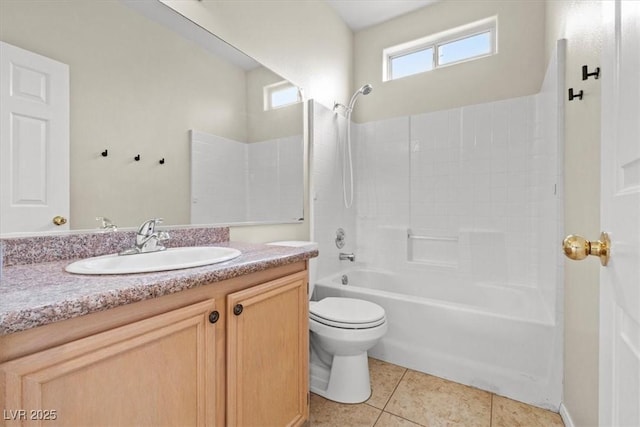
{"x": 350, "y": 257}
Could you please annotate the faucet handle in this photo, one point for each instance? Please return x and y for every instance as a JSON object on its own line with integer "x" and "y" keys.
{"x": 148, "y": 227}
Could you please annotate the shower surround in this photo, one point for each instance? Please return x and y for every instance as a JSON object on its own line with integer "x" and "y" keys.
{"x": 455, "y": 226}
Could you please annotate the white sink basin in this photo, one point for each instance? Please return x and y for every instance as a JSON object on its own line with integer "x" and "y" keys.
{"x": 170, "y": 259}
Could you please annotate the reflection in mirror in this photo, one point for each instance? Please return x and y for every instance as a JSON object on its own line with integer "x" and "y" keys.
{"x": 146, "y": 82}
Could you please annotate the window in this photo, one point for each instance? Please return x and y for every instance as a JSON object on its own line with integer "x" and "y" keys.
{"x": 280, "y": 94}
{"x": 472, "y": 41}
{"x": 407, "y": 64}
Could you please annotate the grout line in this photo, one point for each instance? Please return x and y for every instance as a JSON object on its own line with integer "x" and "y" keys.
{"x": 377, "y": 419}
{"x": 395, "y": 388}
{"x": 403, "y": 418}
{"x": 491, "y": 411}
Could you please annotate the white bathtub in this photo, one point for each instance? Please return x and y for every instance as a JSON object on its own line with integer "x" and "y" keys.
{"x": 497, "y": 338}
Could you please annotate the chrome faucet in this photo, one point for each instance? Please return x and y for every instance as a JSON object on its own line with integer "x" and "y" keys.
{"x": 347, "y": 257}
{"x": 106, "y": 224}
{"x": 147, "y": 239}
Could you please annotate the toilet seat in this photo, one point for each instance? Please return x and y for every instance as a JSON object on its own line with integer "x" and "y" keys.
{"x": 346, "y": 313}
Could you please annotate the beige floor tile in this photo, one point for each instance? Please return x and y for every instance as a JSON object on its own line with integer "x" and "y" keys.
{"x": 326, "y": 413}
{"x": 510, "y": 413}
{"x": 389, "y": 420}
{"x": 434, "y": 402}
{"x": 384, "y": 379}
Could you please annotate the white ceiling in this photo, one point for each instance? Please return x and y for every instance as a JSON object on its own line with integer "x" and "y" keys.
{"x": 359, "y": 14}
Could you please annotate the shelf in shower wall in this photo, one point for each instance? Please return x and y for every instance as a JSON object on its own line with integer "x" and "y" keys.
{"x": 425, "y": 248}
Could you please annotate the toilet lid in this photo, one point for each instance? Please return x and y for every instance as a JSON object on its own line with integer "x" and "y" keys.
{"x": 346, "y": 312}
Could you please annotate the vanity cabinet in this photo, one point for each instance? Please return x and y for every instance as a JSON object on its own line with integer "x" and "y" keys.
{"x": 156, "y": 371}
{"x": 267, "y": 352}
{"x": 231, "y": 353}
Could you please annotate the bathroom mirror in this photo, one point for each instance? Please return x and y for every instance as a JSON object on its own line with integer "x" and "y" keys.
{"x": 166, "y": 120}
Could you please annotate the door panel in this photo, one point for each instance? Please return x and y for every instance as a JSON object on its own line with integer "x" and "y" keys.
{"x": 620, "y": 198}
{"x": 34, "y": 141}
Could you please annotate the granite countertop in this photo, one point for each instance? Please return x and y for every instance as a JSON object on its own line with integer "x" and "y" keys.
{"x": 37, "y": 294}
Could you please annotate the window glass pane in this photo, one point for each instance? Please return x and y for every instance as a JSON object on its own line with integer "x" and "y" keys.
{"x": 466, "y": 48}
{"x": 285, "y": 96}
{"x": 411, "y": 63}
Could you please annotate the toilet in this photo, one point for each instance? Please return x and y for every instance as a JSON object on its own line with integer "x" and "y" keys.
{"x": 342, "y": 330}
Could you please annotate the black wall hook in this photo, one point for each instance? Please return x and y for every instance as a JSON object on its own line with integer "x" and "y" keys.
{"x": 105, "y": 153}
{"x": 161, "y": 161}
{"x": 576, "y": 95}
{"x": 586, "y": 74}
{"x": 137, "y": 158}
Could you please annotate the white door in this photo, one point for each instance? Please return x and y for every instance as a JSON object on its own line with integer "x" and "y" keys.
{"x": 34, "y": 141}
{"x": 620, "y": 199}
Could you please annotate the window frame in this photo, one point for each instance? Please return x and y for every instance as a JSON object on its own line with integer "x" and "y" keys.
{"x": 435, "y": 41}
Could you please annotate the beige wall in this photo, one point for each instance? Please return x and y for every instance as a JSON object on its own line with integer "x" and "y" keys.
{"x": 304, "y": 41}
{"x": 517, "y": 70}
{"x": 270, "y": 124}
{"x": 579, "y": 22}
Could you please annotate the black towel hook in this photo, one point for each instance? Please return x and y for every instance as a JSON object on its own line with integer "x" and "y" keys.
{"x": 105, "y": 153}
{"x": 161, "y": 161}
{"x": 574, "y": 95}
{"x": 137, "y": 158}
{"x": 586, "y": 74}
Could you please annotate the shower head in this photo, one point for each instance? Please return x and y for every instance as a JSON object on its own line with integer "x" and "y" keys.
{"x": 365, "y": 90}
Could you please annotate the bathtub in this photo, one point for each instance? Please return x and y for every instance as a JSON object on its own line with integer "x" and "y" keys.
{"x": 498, "y": 338}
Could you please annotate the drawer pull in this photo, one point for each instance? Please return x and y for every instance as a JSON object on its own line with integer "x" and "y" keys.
{"x": 237, "y": 309}
{"x": 214, "y": 316}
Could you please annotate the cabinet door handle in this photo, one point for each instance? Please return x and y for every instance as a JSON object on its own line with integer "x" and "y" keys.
{"x": 214, "y": 316}
{"x": 237, "y": 309}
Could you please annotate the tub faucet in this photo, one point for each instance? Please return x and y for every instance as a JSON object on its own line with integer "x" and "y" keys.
{"x": 347, "y": 257}
{"x": 147, "y": 239}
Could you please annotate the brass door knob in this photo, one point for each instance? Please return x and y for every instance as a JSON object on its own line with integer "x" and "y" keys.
{"x": 59, "y": 220}
{"x": 578, "y": 248}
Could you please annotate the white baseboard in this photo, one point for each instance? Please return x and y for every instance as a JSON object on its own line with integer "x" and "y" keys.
{"x": 566, "y": 418}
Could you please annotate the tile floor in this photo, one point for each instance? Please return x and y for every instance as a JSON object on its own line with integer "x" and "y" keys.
{"x": 401, "y": 397}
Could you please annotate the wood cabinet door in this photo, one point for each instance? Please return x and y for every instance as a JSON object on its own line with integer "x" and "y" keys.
{"x": 154, "y": 372}
{"x": 267, "y": 354}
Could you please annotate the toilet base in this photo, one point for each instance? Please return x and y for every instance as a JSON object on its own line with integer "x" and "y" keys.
{"x": 345, "y": 381}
